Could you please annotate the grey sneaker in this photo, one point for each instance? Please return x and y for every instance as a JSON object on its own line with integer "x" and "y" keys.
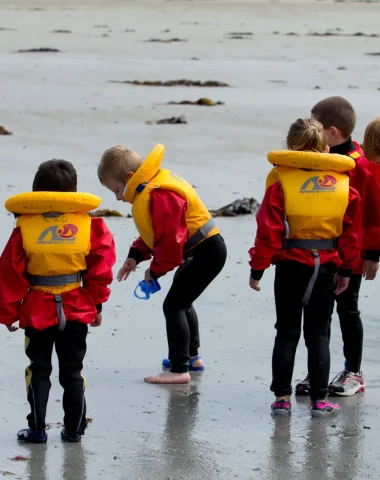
{"x": 347, "y": 384}
{"x": 303, "y": 388}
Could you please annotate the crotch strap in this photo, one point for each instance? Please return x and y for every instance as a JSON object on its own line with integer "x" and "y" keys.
{"x": 60, "y": 312}
{"x": 313, "y": 279}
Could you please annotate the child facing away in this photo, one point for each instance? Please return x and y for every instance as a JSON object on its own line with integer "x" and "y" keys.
{"x": 175, "y": 229}
{"x": 55, "y": 248}
{"x": 338, "y": 118}
{"x": 309, "y": 226}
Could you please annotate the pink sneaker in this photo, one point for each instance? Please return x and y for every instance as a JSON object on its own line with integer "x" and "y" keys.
{"x": 321, "y": 408}
{"x": 281, "y": 408}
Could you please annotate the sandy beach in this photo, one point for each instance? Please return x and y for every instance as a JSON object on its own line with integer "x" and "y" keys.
{"x": 63, "y": 105}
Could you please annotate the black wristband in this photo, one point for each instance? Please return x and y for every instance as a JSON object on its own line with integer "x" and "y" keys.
{"x": 99, "y": 307}
{"x": 373, "y": 255}
{"x": 257, "y": 274}
{"x": 344, "y": 272}
{"x": 136, "y": 255}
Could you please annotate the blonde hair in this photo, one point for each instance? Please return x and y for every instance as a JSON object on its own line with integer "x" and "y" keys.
{"x": 116, "y": 162}
{"x": 306, "y": 134}
{"x": 371, "y": 143}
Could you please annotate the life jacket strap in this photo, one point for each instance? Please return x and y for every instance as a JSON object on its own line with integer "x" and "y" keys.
{"x": 310, "y": 244}
{"x": 54, "y": 280}
{"x": 60, "y": 312}
{"x": 199, "y": 235}
{"x": 313, "y": 279}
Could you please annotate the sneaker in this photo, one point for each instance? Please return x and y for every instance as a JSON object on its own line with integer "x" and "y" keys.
{"x": 347, "y": 384}
{"x": 281, "y": 408}
{"x": 70, "y": 437}
{"x": 303, "y": 388}
{"x": 32, "y": 436}
{"x": 322, "y": 408}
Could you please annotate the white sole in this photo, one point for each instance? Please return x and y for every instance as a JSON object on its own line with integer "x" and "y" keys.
{"x": 351, "y": 392}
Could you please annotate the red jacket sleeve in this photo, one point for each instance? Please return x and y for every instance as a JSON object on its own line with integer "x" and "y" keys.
{"x": 14, "y": 285}
{"x": 100, "y": 261}
{"x": 139, "y": 251}
{"x": 363, "y": 178}
{"x": 170, "y": 231}
{"x": 270, "y": 229}
{"x": 350, "y": 241}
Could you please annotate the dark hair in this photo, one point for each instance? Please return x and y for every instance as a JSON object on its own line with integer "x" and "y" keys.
{"x": 55, "y": 176}
{"x": 336, "y": 112}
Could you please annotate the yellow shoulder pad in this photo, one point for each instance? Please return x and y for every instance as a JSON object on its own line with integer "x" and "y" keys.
{"x": 45, "y": 202}
{"x": 272, "y": 178}
{"x": 146, "y": 172}
{"x": 311, "y": 160}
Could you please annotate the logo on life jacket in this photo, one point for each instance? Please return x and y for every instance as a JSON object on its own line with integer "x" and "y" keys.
{"x": 55, "y": 234}
{"x": 326, "y": 183}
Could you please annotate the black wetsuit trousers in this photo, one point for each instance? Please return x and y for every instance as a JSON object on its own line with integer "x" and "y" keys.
{"x": 70, "y": 345}
{"x": 351, "y": 323}
{"x": 291, "y": 281}
{"x": 191, "y": 279}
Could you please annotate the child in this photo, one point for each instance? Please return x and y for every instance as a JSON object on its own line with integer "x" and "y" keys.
{"x": 339, "y": 119}
{"x": 175, "y": 229}
{"x": 309, "y": 227}
{"x": 371, "y": 144}
{"x": 50, "y": 253}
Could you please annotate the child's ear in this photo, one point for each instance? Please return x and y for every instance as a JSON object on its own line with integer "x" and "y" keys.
{"x": 327, "y": 149}
{"x": 335, "y": 132}
{"x": 129, "y": 176}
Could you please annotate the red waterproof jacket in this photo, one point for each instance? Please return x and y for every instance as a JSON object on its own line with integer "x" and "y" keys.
{"x": 170, "y": 233}
{"x": 271, "y": 232}
{"x": 37, "y": 309}
{"x": 365, "y": 178}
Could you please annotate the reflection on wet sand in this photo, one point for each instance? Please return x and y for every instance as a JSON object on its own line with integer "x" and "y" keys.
{"x": 74, "y": 461}
{"x": 328, "y": 448}
{"x": 39, "y": 466}
{"x": 182, "y": 452}
{"x": 36, "y": 466}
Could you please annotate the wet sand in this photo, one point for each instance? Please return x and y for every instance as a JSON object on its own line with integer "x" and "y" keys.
{"x": 62, "y": 105}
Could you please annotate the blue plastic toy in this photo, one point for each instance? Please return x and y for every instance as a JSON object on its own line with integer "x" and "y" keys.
{"x": 146, "y": 289}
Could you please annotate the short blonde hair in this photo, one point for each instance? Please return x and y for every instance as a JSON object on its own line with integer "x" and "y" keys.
{"x": 371, "y": 143}
{"x": 306, "y": 135}
{"x": 116, "y": 162}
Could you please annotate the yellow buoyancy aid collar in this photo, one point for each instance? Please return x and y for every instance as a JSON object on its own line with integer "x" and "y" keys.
{"x": 145, "y": 173}
{"x": 311, "y": 160}
{"x": 48, "y": 202}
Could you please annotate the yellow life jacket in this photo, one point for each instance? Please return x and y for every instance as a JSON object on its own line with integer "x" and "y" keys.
{"x": 149, "y": 176}
{"x": 56, "y": 232}
{"x": 315, "y": 191}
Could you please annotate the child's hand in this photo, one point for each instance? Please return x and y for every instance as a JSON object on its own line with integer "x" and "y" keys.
{"x": 370, "y": 269}
{"x": 254, "y": 284}
{"x": 11, "y": 328}
{"x": 98, "y": 321}
{"x": 341, "y": 284}
{"x": 128, "y": 267}
{"x": 148, "y": 276}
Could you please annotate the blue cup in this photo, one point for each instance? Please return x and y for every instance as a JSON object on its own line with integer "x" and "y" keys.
{"x": 144, "y": 290}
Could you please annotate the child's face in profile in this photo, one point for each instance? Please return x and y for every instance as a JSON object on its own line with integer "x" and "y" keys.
{"x": 117, "y": 188}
